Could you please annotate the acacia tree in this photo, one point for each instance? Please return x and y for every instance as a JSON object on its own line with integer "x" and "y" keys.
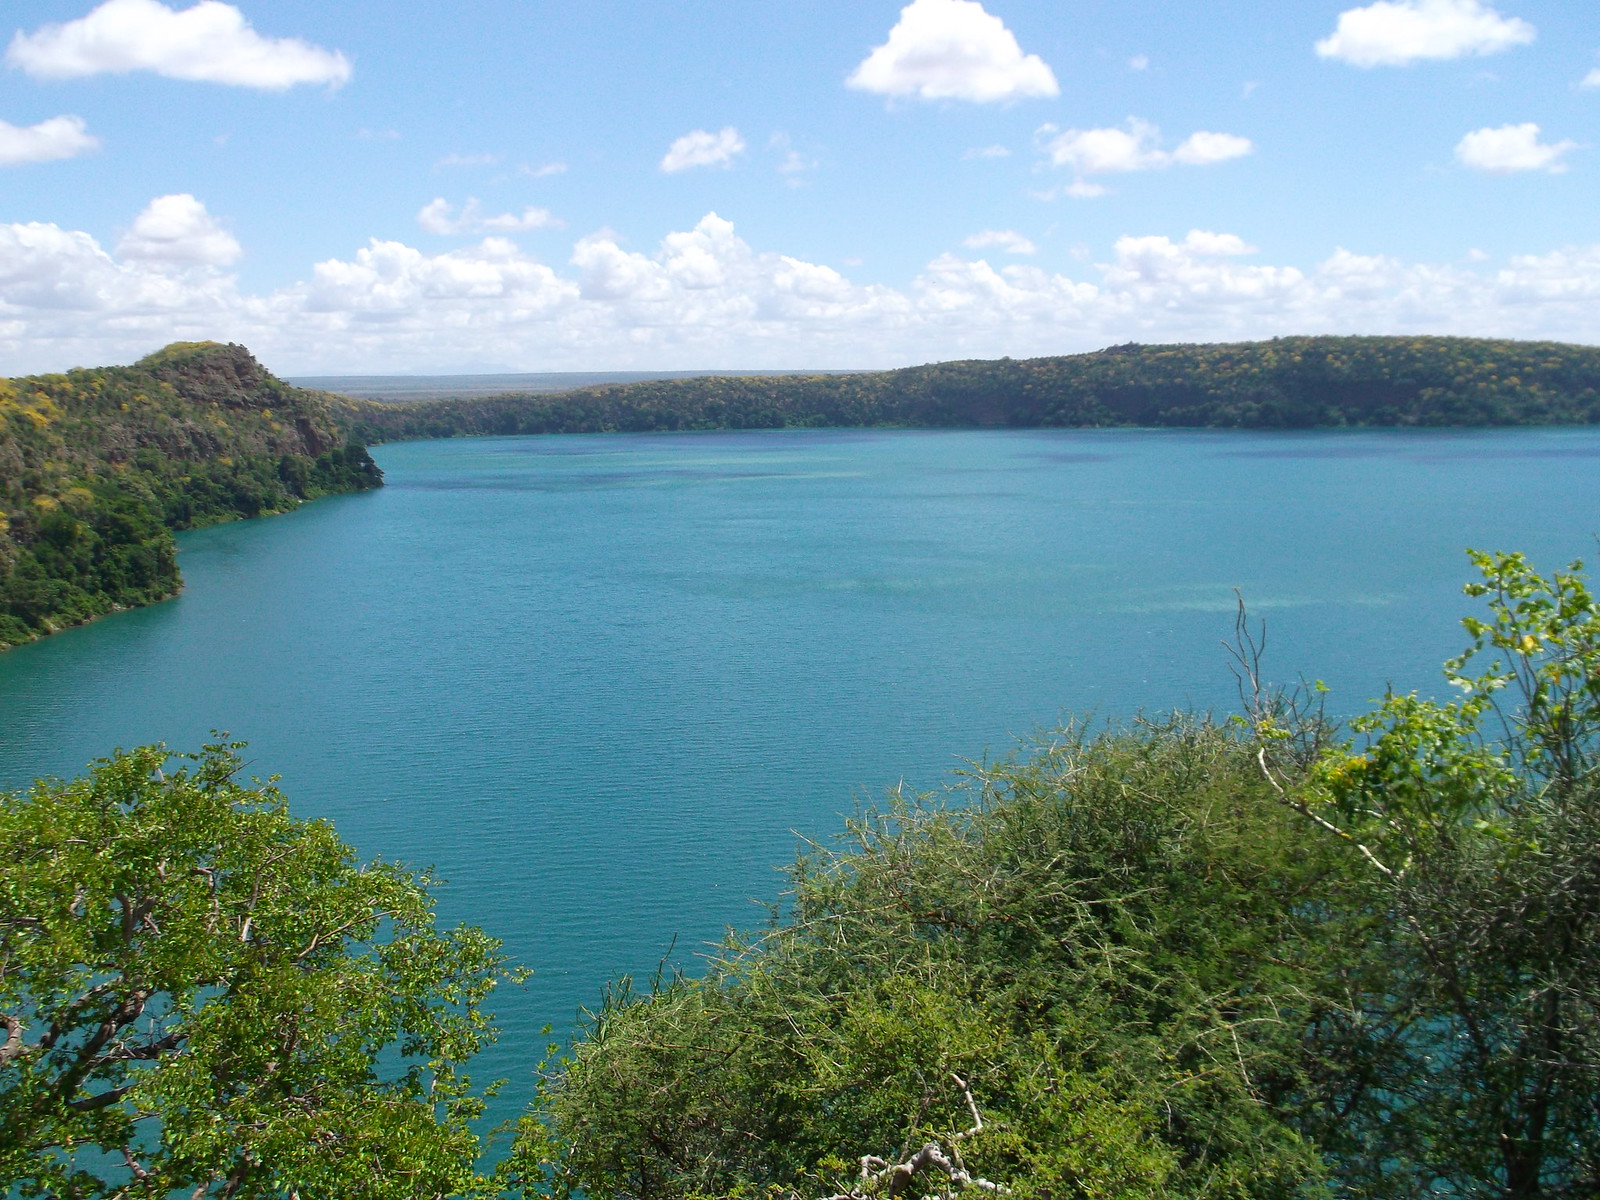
{"x": 200, "y": 992}
{"x": 1474, "y": 1044}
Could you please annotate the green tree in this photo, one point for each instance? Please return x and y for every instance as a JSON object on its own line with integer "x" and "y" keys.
{"x": 1472, "y": 1045}
{"x": 1100, "y": 952}
{"x": 200, "y": 992}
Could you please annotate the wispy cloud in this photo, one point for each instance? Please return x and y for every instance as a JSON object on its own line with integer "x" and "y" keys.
{"x": 467, "y": 160}
{"x": 1008, "y": 240}
{"x": 440, "y": 217}
{"x": 700, "y": 148}
{"x": 794, "y": 164}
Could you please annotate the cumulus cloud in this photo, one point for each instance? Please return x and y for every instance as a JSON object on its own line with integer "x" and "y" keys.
{"x": 1008, "y": 240}
{"x": 57, "y": 138}
{"x": 1203, "y": 149}
{"x": 1510, "y": 149}
{"x": 953, "y": 50}
{"x": 700, "y": 148}
{"x": 1396, "y": 33}
{"x": 705, "y": 295}
{"x": 390, "y": 285}
{"x": 176, "y": 232}
{"x": 440, "y": 217}
{"x": 1134, "y": 146}
{"x": 209, "y": 43}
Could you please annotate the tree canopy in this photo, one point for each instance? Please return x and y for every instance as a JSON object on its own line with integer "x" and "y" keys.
{"x": 199, "y": 992}
{"x": 1261, "y": 957}
{"x": 1177, "y": 959}
{"x": 98, "y": 467}
{"x": 1286, "y": 383}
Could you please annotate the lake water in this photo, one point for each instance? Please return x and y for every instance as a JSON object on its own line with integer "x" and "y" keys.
{"x": 601, "y": 682}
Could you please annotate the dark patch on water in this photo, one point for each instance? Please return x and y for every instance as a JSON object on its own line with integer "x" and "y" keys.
{"x": 587, "y": 481}
{"x": 1067, "y": 456}
{"x": 1368, "y": 451}
{"x": 1509, "y": 454}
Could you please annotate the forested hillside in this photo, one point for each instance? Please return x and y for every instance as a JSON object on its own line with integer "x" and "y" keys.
{"x": 1287, "y": 383}
{"x": 98, "y": 467}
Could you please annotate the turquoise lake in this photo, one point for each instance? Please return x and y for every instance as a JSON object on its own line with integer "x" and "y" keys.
{"x": 601, "y": 683}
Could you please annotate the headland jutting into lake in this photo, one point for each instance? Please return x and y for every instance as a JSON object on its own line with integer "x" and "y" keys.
{"x": 99, "y": 466}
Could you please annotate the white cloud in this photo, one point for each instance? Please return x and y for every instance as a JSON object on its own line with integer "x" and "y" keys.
{"x": 995, "y": 151}
{"x": 398, "y": 289}
{"x": 1396, "y": 33}
{"x": 1139, "y": 62}
{"x": 1135, "y": 146}
{"x": 1008, "y": 240}
{"x": 953, "y": 50}
{"x": 57, "y": 138}
{"x": 701, "y": 148}
{"x": 439, "y": 216}
{"x": 1105, "y": 151}
{"x": 1216, "y": 245}
{"x": 1082, "y": 189}
{"x": 467, "y": 160}
{"x": 543, "y": 170}
{"x": 1205, "y": 149}
{"x": 210, "y": 43}
{"x": 1591, "y": 80}
{"x": 1510, "y": 149}
{"x": 795, "y": 164}
{"x": 705, "y": 296}
{"x": 176, "y": 232}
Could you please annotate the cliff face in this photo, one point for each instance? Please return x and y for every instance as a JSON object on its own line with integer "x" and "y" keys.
{"x": 99, "y": 466}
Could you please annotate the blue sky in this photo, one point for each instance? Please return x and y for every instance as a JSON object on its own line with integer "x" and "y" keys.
{"x": 400, "y": 187}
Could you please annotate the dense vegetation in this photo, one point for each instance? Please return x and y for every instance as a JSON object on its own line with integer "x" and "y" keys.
{"x": 200, "y": 992}
{"x": 1174, "y": 960}
{"x": 98, "y": 467}
{"x": 1287, "y": 383}
{"x": 1186, "y": 959}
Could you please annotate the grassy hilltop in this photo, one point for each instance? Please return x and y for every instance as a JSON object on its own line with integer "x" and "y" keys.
{"x": 1287, "y": 383}
{"x": 99, "y": 466}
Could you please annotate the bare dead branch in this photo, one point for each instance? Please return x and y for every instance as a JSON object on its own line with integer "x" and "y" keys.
{"x": 881, "y": 1178}
{"x": 12, "y": 1048}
